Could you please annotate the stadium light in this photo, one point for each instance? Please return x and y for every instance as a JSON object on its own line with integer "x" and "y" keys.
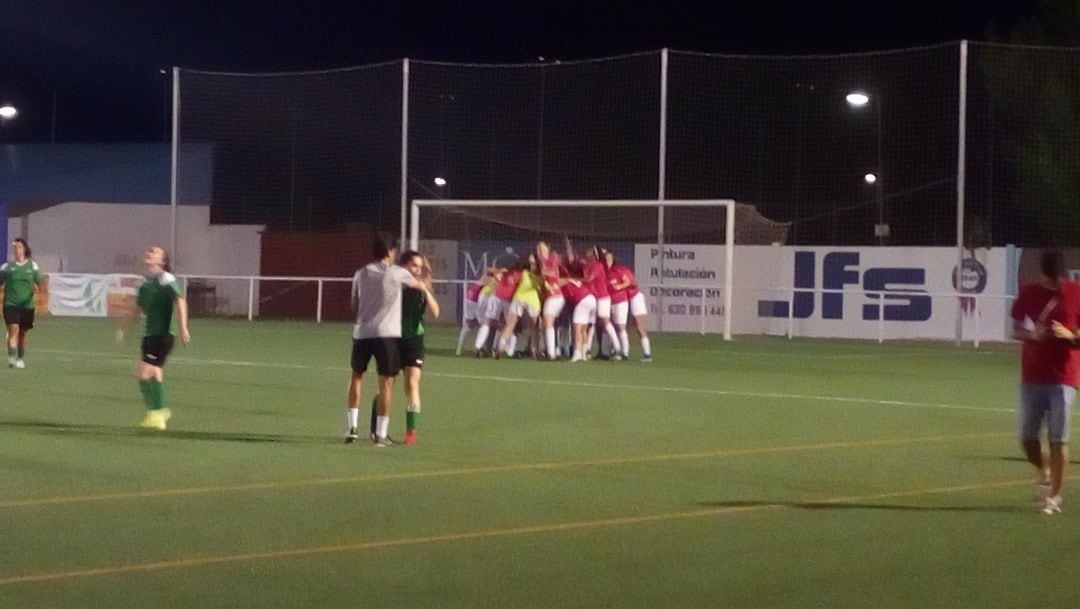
{"x": 857, "y": 100}
{"x": 8, "y": 112}
{"x": 440, "y": 182}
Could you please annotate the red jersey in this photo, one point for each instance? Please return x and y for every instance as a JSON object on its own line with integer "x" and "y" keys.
{"x": 597, "y": 273}
{"x": 550, "y": 271}
{"x": 508, "y": 283}
{"x": 472, "y": 293}
{"x": 618, "y": 275}
{"x": 1052, "y": 361}
{"x": 576, "y": 293}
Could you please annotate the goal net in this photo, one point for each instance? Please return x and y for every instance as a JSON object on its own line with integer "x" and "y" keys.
{"x": 682, "y": 252}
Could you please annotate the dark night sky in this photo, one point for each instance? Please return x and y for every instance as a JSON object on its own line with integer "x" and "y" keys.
{"x": 101, "y": 60}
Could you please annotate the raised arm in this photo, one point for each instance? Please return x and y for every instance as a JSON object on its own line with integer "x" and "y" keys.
{"x": 432, "y": 304}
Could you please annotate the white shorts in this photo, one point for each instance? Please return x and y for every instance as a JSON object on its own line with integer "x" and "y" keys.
{"x": 494, "y": 308}
{"x": 554, "y": 305}
{"x": 521, "y": 309}
{"x": 638, "y": 306}
{"x": 619, "y": 311}
{"x": 603, "y": 307}
{"x": 472, "y": 307}
{"x": 585, "y": 310}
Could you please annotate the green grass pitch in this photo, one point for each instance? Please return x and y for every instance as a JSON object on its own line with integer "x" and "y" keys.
{"x": 756, "y": 473}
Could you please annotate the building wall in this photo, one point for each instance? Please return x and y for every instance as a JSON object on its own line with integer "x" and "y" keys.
{"x": 111, "y": 238}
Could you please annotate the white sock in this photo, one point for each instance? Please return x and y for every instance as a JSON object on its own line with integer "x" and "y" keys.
{"x": 549, "y": 338}
{"x": 502, "y": 345}
{"x": 482, "y": 336}
{"x": 624, "y": 342}
{"x": 511, "y": 344}
{"x": 645, "y": 349}
{"x": 612, "y": 336}
{"x": 461, "y": 338}
{"x": 354, "y": 416}
{"x": 382, "y": 426}
{"x": 589, "y": 338}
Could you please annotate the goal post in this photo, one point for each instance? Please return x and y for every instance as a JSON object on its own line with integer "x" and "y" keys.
{"x": 641, "y": 229}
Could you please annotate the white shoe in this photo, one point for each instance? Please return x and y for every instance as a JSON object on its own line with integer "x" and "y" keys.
{"x": 19, "y": 364}
{"x": 1052, "y": 505}
{"x": 1042, "y": 491}
{"x": 577, "y": 358}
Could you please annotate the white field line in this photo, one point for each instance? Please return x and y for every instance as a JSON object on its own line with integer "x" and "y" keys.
{"x": 583, "y": 384}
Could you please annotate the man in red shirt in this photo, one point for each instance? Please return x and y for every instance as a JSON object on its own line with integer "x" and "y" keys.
{"x": 1045, "y": 317}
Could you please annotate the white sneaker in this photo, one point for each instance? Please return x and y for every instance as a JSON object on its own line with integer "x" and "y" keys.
{"x": 1052, "y": 505}
{"x": 1042, "y": 491}
{"x": 19, "y": 364}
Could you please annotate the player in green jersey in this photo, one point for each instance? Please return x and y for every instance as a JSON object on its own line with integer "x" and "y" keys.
{"x": 19, "y": 278}
{"x": 414, "y": 303}
{"x": 156, "y": 299}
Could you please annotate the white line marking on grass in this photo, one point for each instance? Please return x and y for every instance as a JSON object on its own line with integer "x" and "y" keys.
{"x": 489, "y": 469}
{"x": 558, "y": 527}
{"x": 605, "y": 386}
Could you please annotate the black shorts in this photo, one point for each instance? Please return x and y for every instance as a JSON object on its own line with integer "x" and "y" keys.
{"x": 156, "y": 349}
{"x": 412, "y": 352}
{"x": 386, "y": 352}
{"x": 18, "y": 316}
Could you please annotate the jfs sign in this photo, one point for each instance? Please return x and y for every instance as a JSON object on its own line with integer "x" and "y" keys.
{"x": 893, "y": 293}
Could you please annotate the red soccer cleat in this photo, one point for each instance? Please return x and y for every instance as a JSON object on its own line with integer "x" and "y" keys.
{"x": 410, "y": 437}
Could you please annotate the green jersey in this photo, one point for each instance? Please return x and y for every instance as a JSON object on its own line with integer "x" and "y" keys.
{"x": 156, "y": 298}
{"x": 19, "y": 280}
{"x": 413, "y": 305}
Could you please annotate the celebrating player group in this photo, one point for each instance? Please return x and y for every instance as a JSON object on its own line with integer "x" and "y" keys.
{"x": 560, "y": 302}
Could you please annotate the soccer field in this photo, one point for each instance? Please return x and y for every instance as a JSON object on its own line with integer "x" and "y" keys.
{"x": 757, "y": 473}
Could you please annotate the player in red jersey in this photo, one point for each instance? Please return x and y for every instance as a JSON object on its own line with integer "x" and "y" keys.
{"x": 581, "y": 298}
{"x": 627, "y": 298}
{"x": 1045, "y": 316}
{"x": 470, "y": 319}
{"x": 497, "y": 305}
{"x": 596, "y": 279}
{"x": 551, "y": 290}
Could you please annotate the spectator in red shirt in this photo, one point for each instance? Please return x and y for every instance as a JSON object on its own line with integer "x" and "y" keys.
{"x": 1045, "y": 317}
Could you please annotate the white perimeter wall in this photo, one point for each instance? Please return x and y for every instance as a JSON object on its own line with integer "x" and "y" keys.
{"x": 111, "y": 238}
{"x": 691, "y": 280}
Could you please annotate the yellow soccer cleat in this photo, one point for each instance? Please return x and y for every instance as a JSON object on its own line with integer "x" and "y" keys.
{"x": 156, "y": 419}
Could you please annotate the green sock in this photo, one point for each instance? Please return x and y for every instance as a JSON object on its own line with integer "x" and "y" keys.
{"x": 22, "y": 352}
{"x": 11, "y": 351}
{"x": 155, "y": 391}
{"x": 144, "y": 389}
{"x": 410, "y": 420}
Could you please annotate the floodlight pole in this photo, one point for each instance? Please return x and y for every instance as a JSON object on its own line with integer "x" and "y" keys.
{"x": 961, "y": 181}
{"x": 175, "y": 162}
{"x": 404, "y": 148}
{"x": 882, "y": 177}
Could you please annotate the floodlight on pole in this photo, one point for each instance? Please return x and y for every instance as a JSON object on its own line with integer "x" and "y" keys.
{"x": 8, "y": 112}
{"x": 440, "y": 182}
{"x": 858, "y": 100}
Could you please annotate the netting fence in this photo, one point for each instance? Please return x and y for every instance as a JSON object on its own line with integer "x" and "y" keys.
{"x": 333, "y": 149}
{"x": 959, "y": 145}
